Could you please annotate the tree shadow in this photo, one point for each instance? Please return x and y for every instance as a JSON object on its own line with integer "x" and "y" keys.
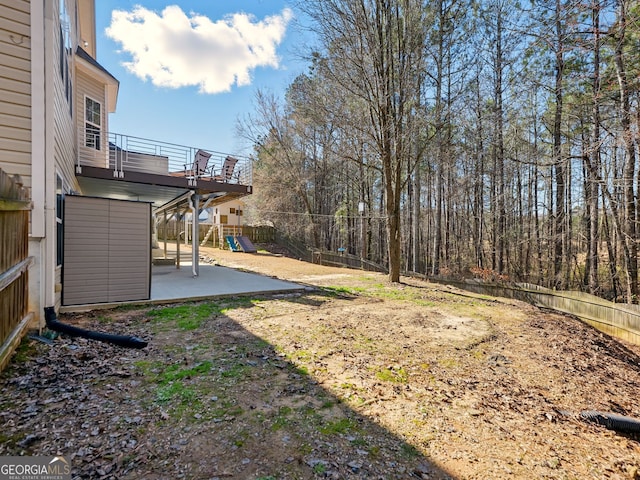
{"x": 211, "y": 400}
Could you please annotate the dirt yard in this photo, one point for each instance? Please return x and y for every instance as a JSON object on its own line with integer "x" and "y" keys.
{"x": 353, "y": 379}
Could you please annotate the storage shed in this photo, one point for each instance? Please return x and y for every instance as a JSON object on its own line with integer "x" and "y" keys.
{"x": 107, "y": 250}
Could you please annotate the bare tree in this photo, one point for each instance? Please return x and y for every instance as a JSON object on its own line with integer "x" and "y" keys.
{"x": 374, "y": 52}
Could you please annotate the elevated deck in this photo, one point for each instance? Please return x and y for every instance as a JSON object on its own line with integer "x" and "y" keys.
{"x": 132, "y": 168}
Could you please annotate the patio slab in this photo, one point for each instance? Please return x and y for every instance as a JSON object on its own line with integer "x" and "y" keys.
{"x": 169, "y": 283}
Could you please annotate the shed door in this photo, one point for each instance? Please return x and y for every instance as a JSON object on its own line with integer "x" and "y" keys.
{"x": 107, "y": 251}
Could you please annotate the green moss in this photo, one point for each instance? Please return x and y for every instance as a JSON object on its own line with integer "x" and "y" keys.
{"x": 339, "y": 426}
{"x": 394, "y": 375}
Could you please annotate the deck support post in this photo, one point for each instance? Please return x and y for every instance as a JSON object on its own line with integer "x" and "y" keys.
{"x": 195, "y": 234}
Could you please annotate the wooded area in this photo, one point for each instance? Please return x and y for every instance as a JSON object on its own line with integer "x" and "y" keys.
{"x": 448, "y": 137}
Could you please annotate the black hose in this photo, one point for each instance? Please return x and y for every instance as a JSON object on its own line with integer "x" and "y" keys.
{"x": 612, "y": 421}
{"x": 120, "y": 340}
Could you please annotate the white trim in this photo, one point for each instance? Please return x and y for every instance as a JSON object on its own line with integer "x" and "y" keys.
{"x": 58, "y": 215}
{"x": 38, "y": 122}
{"x": 99, "y": 127}
{"x": 48, "y": 262}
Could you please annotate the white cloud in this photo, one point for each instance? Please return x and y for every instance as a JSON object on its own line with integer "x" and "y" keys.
{"x": 175, "y": 50}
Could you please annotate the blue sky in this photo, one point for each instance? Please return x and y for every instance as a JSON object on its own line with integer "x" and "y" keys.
{"x": 189, "y": 69}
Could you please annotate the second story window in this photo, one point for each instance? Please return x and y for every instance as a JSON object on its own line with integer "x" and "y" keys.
{"x": 65, "y": 52}
{"x": 92, "y": 116}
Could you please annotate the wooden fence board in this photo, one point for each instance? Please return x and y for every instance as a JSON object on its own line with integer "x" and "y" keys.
{"x": 14, "y": 264}
{"x": 616, "y": 319}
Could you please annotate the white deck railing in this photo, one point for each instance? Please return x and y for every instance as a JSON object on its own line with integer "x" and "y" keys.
{"x": 123, "y": 153}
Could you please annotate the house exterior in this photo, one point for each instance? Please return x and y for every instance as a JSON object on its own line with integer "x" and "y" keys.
{"x": 55, "y": 100}
{"x": 45, "y": 48}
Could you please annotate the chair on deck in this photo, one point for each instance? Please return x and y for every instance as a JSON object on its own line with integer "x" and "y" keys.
{"x": 199, "y": 168}
{"x": 227, "y": 169}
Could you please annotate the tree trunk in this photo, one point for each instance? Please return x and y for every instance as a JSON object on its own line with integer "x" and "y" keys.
{"x": 558, "y": 232}
{"x": 628, "y": 174}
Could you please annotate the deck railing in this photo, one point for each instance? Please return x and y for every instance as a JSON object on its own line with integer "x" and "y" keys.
{"x": 123, "y": 153}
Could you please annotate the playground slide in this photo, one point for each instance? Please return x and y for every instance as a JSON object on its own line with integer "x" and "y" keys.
{"x": 232, "y": 243}
{"x": 246, "y": 244}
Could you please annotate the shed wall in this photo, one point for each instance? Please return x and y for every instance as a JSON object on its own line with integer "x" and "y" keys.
{"x": 107, "y": 251}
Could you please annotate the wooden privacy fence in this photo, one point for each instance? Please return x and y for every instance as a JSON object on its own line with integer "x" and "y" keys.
{"x": 325, "y": 257}
{"x": 617, "y": 319}
{"x": 261, "y": 234}
{"x": 14, "y": 265}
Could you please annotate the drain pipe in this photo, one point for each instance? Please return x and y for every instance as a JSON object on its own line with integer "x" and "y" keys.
{"x": 121, "y": 340}
{"x": 195, "y": 233}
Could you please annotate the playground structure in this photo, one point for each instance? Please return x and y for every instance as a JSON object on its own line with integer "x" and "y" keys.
{"x": 240, "y": 243}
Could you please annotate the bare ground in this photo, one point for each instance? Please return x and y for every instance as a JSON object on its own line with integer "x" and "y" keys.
{"x": 355, "y": 378}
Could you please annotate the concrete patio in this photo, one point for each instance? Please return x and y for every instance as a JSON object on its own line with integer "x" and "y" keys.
{"x": 171, "y": 284}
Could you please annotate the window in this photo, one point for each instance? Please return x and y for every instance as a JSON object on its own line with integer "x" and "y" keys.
{"x": 232, "y": 211}
{"x": 65, "y": 52}
{"x": 60, "y": 191}
{"x": 93, "y": 118}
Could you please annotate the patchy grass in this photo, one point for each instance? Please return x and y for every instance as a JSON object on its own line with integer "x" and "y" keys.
{"x": 25, "y": 351}
{"x": 363, "y": 371}
{"x": 192, "y": 316}
{"x": 342, "y": 291}
{"x": 184, "y": 317}
{"x": 282, "y": 418}
{"x": 340, "y": 426}
{"x": 383, "y": 291}
{"x": 408, "y": 451}
{"x": 449, "y": 362}
{"x": 176, "y": 390}
{"x": 320, "y": 468}
{"x": 393, "y": 375}
{"x": 175, "y": 372}
{"x": 235, "y": 372}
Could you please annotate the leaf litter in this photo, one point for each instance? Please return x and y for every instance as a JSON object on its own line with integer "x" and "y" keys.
{"x": 354, "y": 378}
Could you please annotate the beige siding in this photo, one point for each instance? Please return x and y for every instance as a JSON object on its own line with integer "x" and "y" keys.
{"x": 14, "y": 25}
{"x": 86, "y": 86}
{"x": 107, "y": 251}
{"x": 64, "y": 126}
{"x": 15, "y": 89}
{"x": 16, "y": 11}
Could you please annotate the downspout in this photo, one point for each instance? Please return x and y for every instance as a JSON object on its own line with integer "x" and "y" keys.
{"x": 195, "y": 233}
{"x": 45, "y": 146}
{"x": 121, "y": 340}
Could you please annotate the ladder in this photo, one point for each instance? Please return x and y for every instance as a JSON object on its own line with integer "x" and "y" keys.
{"x": 208, "y": 235}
